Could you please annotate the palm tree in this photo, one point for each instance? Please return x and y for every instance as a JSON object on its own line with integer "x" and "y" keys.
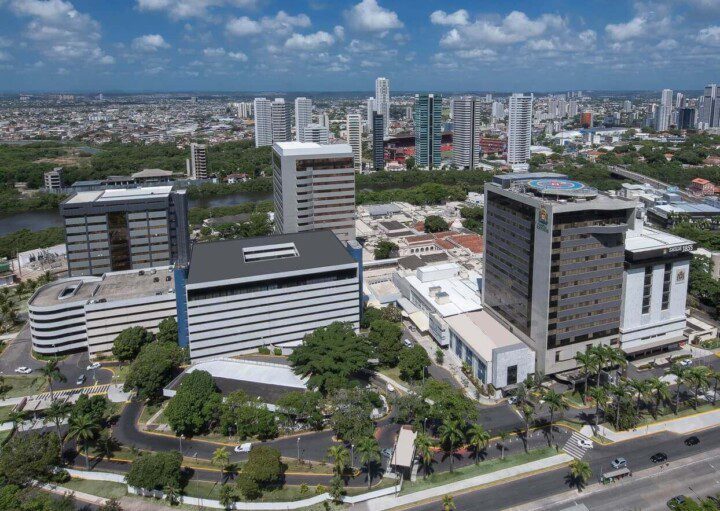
{"x": 555, "y": 403}
{"x": 341, "y": 458}
{"x": 599, "y": 361}
{"x": 599, "y": 395}
{"x": 521, "y": 395}
{"x": 678, "y": 372}
{"x": 172, "y": 493}
{"x": 451, "y": 437}
{"x": 369, "y": 452}
{"x": 528, "y": 412}
{"x": 478, "y": 438}
{"x": 17, "y": 418}
{"x": 504, "y": 435}
{"x": 4, "y": 387}
{"x": 221, "y": 457}
{"x": 57, "y": 413}
{"x": 106, "y": 445}
{"x": 699, "y": 378}
{"x": 615, "y": 357}
{"x": 83, "y": 429}
{"x": 585, "y": 360}
{"x": 660, "y": 390}
{"x": 52, "y": 372}
{"x": 227, "y": 496}
{"x": 448, "y": 503}
{"x": 715, "y": 378}
{"x": 618, "y": 391}
{"x": 580, "y": 472}
{"x": 640, "y": 388}
{"x": 423, "y": 446}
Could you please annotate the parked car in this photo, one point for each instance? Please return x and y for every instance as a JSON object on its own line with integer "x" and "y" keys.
{"x": 23, "y": 370}
{"x": 93, "y": 366}
{"x": 512, "y": 400}
{"x": 685, "y": 362}
{"x": 387, "y": 452}
{"x": 585, "y": 443}
{"x": 619, "y": 463}
{"x": 243, "y": 447}
{"x": 659, "y": 457}
{"x": 80, "y": 379}
{"x": 408, "y": 343}
{"x": 675, "y": 502}
{"x": 693, "y": 440}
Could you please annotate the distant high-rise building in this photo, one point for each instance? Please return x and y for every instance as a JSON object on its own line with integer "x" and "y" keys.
{"x": 354, "y": 134}
{"x": 52, "y": 179}
{"x": 244, "y": 110}
{"x": 562, "y": 107}
{"x": 679, "y": 100}
{"x": 428, "y": 130}
{"x": 198, "y": 161}
{"x": 488, "y": 98}
{"x": 324, "y": 120}
{"x": 316, "y": 133}
{"x": 280, "y": 113}
{"x": 627, "y": 106}
{"x": 382, "y": 102}
{"x": 125, "y": 229}
{"x": 686, "y": 118}
{"x": 662, "y": 116}
{"x": 263, "y": 122}
{"x": 519, "y": 131}
{"x": 303, "y": 117}
{"x": 709, "y": 116}
{"x": 370, "y": 110}
{"x": 498, "y": 110}
{"x": 378, "y": 141}
{"x": 466, "y": 132}
{"x": 314, "y": 188}
{"x": 573, "y": 108}
{"x": 408, "y": 113}
{"x": 586, "y": 120}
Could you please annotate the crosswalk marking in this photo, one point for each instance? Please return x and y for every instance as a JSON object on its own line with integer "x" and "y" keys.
{"x": 67, "y": 393}
{"x": 572, "y": 448}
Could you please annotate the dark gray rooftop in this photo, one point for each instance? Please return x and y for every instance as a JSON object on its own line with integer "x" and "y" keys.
{"x": 224, "y": 260}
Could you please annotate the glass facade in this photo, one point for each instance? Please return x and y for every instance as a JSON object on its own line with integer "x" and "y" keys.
{"x": 428, "y": 130}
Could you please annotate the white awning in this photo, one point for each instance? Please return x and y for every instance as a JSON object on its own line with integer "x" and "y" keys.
{"x": 420, "y": 320}
{"x": 404, "y": 448}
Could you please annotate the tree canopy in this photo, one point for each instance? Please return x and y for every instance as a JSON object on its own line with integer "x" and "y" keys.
{"x": 413, "y": 363}
{"x": 27, "y": 457}
{"x": 434, "y": 223}
{"x": 128, "y": 343}
{"x": 168, "y": 331}
{"x": 385, "y": 249}
{"x": 384, "y": 337}
{"x": 155, "y": 471}
{"x": 195, "y": 404}
{"x": 153, "y": 368}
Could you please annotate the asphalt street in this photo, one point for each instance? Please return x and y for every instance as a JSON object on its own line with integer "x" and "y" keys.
{"x": 637, "y": 452}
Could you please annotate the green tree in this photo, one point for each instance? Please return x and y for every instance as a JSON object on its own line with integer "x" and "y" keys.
{"x": 555, "y": 403}
{"x": 640, "y": 388}
{"x": 57, "y": 413}
{"x": 678, "y": 372}
{"x": 599, "y": 395}
{"x": 385, "y": 337}
{"x": 302, "y": 407}
{"x": 227, "y": 496}
{"x": 111, "y": 505}
{"x": 451, "y": 437}
{"x": 586, "y": 362}
{"x": 84, "y": 430}
{"x": 154, "y": 368}
{"x": 528, "y": 413}
{"x": 263, "y": 469}
{"x": 580, "y": 473}
{"x": 352, "y": 408}
{"x": 29, "y": 457}
{"x": 222, "y": 458}
{"x": 172, "y": 493}
{"x": 473, "y": 217}
{"x": 155, "y": 471}
{"x": 434, "y": 223}
{"x": 195, "y": 404}
{"x": 413, "y": 363}
{"x": 449, "y": 403}
{"x": 699, "y": 378}
{"x": 167, "y": 331}
{"x": 478, "y": 438}
{"x": 423, "y": 447}
{"x": 52, "y": 373}
{"x": 129, "y": 342}
{"x": 340, "y": 457}
{"x": 385, "y": 249}
{"x": 504, "y": 435}
{"x": 95, "y": 407}
{"x": 330, "y": 356}
{"x": 369, "y": 453}
{"x": 448, "y": 503}
{"x": 660, "y": 390}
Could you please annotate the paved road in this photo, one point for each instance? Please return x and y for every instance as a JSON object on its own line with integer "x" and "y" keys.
{"x": 528, "y": 489}
{"x": 18, "y": 353}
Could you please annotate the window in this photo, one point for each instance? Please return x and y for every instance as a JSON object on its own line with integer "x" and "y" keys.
{"x": 647, "y": 289}
{"x": 667, "y": 279}
{"x": 512, "y": 375}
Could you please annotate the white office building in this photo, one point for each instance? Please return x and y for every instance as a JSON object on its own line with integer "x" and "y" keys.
{"x": 303, "y": 117}
{"x": 664, "y": 112}
{"x": 268, "y": 291}
{"x": 655, "y": 282}
{"x": 280, "y": 115}
{"x": 498, "y": 110}
{"x": 519, "y": 132}
{"x": 370, "y": 110}
{"x": 382, "y": 102}
{"x": 314, "y": 188}
{"x": 88, "y": 313}
{"x": 354, "y": 135}
{"x": 244, "y": 110}
{"x": 263, "y": 122}
{"x": 52, "y": 179}
{"x": 197, "y": 163}
{"x": 316, "y": 133}
{"x": 709, "y": 114}
{"x": 466, "y": 132}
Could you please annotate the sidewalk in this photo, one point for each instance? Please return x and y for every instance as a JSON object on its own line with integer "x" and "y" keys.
{"x": 435, "y": 492}
{"x": 681, "y": 425}
{"x": 85, "y": 497}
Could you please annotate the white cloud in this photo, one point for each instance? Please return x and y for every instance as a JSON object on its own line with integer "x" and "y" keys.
{"x": 477, "y": 54}
{"x": 181, "y": 9}
{"x": 339, "y": 32}
{"x": 709, "y": 35}
{"x": 515, "y": 27}
{"x": 149, "y": 43}
{"x": 623, "y": 31}
{"x": 107, "y": 60}
{"x": 238, "y": 55}
{"x": 281, "y": 24}
{"x": 459, "y": 17}
{"x": 368, "y": 16}
{"x": 667, "y": 44}
{"x": 369, "y": 63}
{"x": 310, "y": 42}
{"x": 214, "y": 52}
{"x": 243, "y": 26}
{"x": 5, "y": 56}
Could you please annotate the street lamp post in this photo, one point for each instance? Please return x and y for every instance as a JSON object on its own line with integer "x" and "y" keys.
{"x": 181, "y": 447}
{"x": 298, "y": 449}
{"x": 352, "y": 457}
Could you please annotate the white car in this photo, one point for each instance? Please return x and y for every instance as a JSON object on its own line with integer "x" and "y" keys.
{"x": 23, "y": 370}
{"x": 93, "y": 366}
{"x": 390, "y": 387}
{"x": 408, "y": 343}
{"x": 585, "y": 443}
{"x": 243, "y": 447}
{"x": 685, "y": 362}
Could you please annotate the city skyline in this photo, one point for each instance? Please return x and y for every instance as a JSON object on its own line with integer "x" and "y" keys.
{"x": 215, "y": 45}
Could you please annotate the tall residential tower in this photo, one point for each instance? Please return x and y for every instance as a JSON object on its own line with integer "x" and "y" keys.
{"x": 428, "y": 130}
{"x": 382, "y": 102}
{"x": 519, "y": 132}
{"x": 466, "y": 132}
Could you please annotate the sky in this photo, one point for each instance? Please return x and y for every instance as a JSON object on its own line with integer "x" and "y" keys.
{"x": 343, "y": 45}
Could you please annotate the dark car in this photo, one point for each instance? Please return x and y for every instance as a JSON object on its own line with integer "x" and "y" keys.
{"x": 693, "y": 440}
{"x": 659, "y": 457}
{"x": 675, "y": 502}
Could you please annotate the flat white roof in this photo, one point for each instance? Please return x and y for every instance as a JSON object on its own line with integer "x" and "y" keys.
{"x": 482, "y": 333}
{"x": 463, "y": 294}
{"x": 119, "y": 194}
{"x": 652, "y": 239}
{"x": 311, "y": 149}
{"x": 250, "y": 370}
{"x": 404, "y": 448}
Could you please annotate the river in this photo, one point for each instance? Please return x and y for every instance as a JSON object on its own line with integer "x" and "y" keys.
{"x": 42, "y": 219}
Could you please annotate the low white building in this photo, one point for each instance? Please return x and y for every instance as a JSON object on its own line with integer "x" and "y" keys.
{"x": 655, "y": 283}
{"x": 495, "y": 354}
{"x": 87, "y": 313}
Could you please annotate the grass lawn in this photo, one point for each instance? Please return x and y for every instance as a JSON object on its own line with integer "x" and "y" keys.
{"x": 25, "y": 385}
{"x": 574, "y": 398}
{"x": 667, "y": 414}
{"x": 484, "y": 467}
{"x": 210, "y": 490}
{"x": 149, "y": 411}
{"x": 392, "y": 372}
{"x": 120, "y": 373}
{"x": 106, "y": 489}
{"x": 5, "y": 413}
{"x": 4, "y": 435}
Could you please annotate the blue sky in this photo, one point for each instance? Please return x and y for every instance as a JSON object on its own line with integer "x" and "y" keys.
{"x": 332, "y": 45}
